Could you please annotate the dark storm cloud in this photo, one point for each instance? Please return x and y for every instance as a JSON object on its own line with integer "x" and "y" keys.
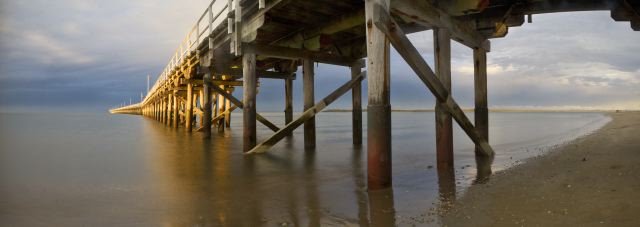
{"x": 97, "y": 54}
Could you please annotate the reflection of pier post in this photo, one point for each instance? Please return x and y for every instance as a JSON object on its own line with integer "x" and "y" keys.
{"x": 381, "y": 208}
{"x": 313, "y": 204}
{"x": 447, "y": 186}
{"x": 361, "y": 193}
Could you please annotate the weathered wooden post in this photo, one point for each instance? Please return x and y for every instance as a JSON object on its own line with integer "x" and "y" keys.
{"x": 160, "y": 113}
{"x": 379, "y": 107}
{"x": 227, "y": 106}
{"x": 194, "y": 105}
{"x": 288, "y": 97}
{"x": 162, "y": 110}
{"x": 480, "y": 81}
{"x": 444, "y": 129}
{"x": 249, "y": 82}
{"x": 221, "y": 105}
{"x": 167, "y": 110}
{"x": 356, "y": 103}
{"x": 189, "y": 107}
{"x": 176, "y": 114}
{"x": 201, "y": 106}
{"x": 309, "y": 99}
{"x": 206, "y": 104}
{"x": 215, "y": 106}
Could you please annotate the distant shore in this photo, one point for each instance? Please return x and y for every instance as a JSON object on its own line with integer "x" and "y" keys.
{"x": 591, "y": 181}
{"x": 503, "y": 110}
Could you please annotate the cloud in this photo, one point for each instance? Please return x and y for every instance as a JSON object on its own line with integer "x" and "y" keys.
{"x": 98, "y": 53}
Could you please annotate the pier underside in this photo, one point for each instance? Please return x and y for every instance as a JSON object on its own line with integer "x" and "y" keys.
{"x": 239, "y": 43}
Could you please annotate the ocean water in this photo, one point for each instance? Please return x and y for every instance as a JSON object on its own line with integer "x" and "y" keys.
{"x": 103, "y": 170}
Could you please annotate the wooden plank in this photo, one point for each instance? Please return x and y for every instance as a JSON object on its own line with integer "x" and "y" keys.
{"x": 238, "y": 103}
{"x": 308, "y": 98}
{"x": 249, "y": 101}
{"x": 444, "y": 127}
{"x": 311, "y": 112}
{"x": 425, "y": 13}
{"x": 413, "y": 58}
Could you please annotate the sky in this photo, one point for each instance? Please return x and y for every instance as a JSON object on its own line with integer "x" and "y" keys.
{"x": 90, "y": 55}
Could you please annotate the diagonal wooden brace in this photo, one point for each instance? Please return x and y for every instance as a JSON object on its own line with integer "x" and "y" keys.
{"x": 265, "y": 145}
{"x": 410, "y": 54}
{"x": 239, "y": 104}
{"x": 215, "y": 119}
{"x": 221, "y": 115}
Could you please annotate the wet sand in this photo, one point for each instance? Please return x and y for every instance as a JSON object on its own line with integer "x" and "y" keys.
{"x": 592, "y": 181}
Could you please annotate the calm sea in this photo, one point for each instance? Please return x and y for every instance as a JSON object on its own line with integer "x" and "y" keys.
{"x": 105, "y": 170}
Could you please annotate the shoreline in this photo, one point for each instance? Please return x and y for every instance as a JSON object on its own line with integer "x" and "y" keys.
{"x": 592, "y": 180}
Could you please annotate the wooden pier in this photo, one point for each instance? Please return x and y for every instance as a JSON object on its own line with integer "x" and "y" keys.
{"x": 238, "y": 43}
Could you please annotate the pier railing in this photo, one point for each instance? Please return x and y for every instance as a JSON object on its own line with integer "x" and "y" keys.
{"x": 208, "y": 21}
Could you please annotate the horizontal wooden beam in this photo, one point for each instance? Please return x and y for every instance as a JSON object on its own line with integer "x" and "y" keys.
{"x": 410, "y": 54}
{"x": 219, "y": 82}
{"x": 237, "y": 72}
{"x": 293, "y": 53}
{"x": 308, "y": 114}
{"x": 424, "y": 13}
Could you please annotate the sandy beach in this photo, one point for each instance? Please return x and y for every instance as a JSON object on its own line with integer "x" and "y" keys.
{"x": 592, "y": 181}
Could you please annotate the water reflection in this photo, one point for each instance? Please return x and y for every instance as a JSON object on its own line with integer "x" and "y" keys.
{"x": 359, "y": 179}
{"x": 207, "y": 183}
{"x": 446, "y": 187}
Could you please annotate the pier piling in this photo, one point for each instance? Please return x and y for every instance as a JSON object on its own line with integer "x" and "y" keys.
{"x": 378, "y": 107}
{"x": 356, "y": 103}
{"x": 480, "y": 84}
{"x": 249, "y": 81}
{"x": 444, "y": 130}
{"x": 189, "y": 107}
{"x": 309, "y": 99}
